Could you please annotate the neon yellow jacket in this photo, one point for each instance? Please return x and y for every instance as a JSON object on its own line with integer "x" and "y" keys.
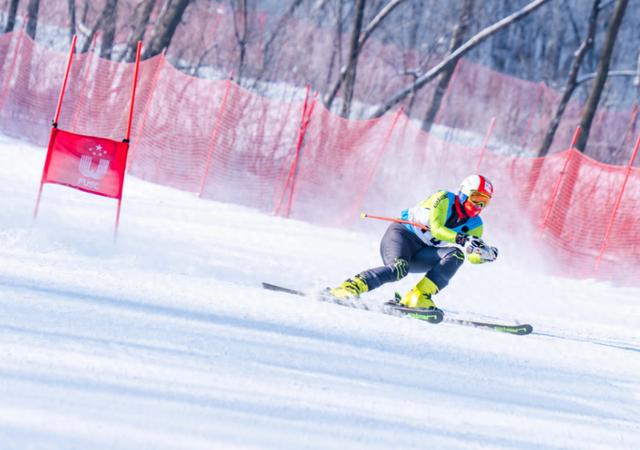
{"x": 444, "y": 217}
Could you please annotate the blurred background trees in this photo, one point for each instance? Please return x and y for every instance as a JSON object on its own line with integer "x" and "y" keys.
{"x": 358, "y": 54}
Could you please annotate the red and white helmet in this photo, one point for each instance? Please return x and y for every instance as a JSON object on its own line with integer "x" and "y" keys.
{"x": 475, "y": 194}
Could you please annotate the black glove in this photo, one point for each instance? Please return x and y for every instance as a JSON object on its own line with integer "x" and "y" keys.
{"x": 461, "y": 239}
{"x": 486, "y": 253}
{"x": 473, "y": 244}
{"x": 470, "y": 243}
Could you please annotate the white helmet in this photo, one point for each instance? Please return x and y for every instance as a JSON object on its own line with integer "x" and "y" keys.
{"x": 475, "y": 193}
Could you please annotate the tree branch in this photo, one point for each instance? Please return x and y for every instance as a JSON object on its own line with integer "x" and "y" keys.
{"x": 369, "y": 29}
{"x": 457, "y": 54}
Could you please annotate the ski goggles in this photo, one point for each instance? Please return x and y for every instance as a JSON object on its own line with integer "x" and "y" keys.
{"x": 479, "y": 199}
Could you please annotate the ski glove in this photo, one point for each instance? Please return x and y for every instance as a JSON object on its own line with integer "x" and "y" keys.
{"x": 467, "y": 241}
{"x": 490, "y": 255}
{"x": 462, "y": 239}
{"x": 478, "y": 251}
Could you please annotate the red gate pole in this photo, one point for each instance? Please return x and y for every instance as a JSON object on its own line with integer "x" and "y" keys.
{"x": 295, "y": 167}
{"x": 64, "y": 82}
{"x": 54, "y": 124}
{"x": 559, "y": 182}
{"x": 134, "y": 85}
{"x": 305, "y": 105}
{"x": 605, "y": 241}
{"x": 215, "y": 133}
{"x": 85, "y": 82}
{"x": 487, "y": 136}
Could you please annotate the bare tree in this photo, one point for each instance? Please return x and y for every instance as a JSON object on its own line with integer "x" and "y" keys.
{"x": 71, "y": 6}
{"x": 91, "y": 33}
{"x": 336, "y": 52}
{"x": 277, "y": 29}
{"x": 412, "y": 44}
{"x": 32, "y": 22}
{"x": 352, "y": 62}
{"x": 165, "y": 28}
{"x": 602, "y": 72}
{"x": 11, "y": 16}
{"x": 572, "y": 82}
{"x": 453, "y": 57}
{"x": 85, "y": 12}
{"x": 241, "y": 31}
{"x": 109, "y": 17}
{"x": 141, "y": 20}
{"x": 459, "y": 33}
{"x": 105, "y": 21}
{"x": 362, "y": 39}
{"x": 500, "y": 50}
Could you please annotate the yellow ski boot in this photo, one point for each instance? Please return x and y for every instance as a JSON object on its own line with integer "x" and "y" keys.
{"x": 417, "y": 303}
{"x": 351, "y": 288}
{"x": 420, "y": 295}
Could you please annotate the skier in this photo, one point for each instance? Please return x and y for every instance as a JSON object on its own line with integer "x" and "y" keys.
{"x": 447, "y": 220}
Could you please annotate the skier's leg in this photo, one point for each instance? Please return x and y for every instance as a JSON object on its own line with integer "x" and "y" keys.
{"x": 396, "y": 248}
{"x": 450, "y": 259}
{"x": 440, "y": 264}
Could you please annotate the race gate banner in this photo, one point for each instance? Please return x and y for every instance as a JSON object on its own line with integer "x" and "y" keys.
{"x": 87, "y": 163}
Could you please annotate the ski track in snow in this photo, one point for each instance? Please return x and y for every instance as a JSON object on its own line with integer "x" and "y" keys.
{"x": 166, "y": 340}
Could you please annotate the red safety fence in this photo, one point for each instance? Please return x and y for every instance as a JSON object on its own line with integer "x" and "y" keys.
{"x": 297, "y": 159}
{"x": 302, "y": 52}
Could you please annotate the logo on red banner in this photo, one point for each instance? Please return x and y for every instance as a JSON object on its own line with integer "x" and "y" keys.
{"x": 88, "y": 163}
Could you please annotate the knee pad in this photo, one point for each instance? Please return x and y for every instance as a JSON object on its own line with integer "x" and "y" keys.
{"x": 400, "y": 268}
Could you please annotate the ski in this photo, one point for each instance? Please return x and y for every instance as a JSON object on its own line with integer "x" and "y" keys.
{"x": 426, "y": 315}
{"x": 519, "y": 330}
{"x": 273, "y": 287}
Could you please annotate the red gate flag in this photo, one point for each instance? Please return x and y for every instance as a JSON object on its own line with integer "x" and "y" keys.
{"x": 87, "y": 163}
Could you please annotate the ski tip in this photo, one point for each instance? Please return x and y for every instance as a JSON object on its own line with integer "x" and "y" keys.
{"x": 434, "y": 317}
{"x": 275, "y": 287}
{"x": 526, "y": 329}
{"x": 518, "y": 330}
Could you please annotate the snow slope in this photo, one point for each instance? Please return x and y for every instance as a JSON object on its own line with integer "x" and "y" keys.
{"x": 165, "y": 339}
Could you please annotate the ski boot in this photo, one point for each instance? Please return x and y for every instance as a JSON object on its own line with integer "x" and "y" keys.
{"x": 418, "y": 303}
{"x": 350, "y": 289}
{"x": 420, "y": 295}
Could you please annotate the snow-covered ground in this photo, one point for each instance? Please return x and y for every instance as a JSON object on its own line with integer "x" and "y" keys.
{"x": 165, "y": 339}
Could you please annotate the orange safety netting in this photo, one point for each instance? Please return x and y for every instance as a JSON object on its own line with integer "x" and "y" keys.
{"x": 225, "y": 143}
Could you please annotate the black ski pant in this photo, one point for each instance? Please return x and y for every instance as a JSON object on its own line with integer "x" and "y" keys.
{"x": 403, "y": 252}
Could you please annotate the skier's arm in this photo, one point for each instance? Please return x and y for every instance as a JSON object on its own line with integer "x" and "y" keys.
{"x": 477, "y": 232}
{"x": 438, "y": 217}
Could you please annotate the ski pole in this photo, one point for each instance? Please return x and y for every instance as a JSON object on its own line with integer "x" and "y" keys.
{"x": 393, "y": 219}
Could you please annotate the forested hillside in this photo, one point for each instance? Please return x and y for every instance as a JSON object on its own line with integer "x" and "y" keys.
{"x": 365, "y": 57}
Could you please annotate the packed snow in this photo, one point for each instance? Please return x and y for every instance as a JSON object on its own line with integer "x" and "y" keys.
{"x": 164, "y": 338}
